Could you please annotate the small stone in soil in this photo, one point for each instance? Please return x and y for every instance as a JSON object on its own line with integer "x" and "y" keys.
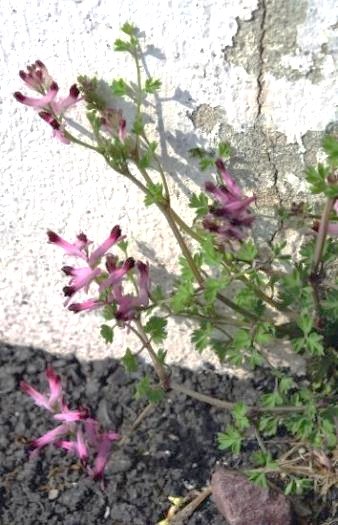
{"x": 241, "y": 502}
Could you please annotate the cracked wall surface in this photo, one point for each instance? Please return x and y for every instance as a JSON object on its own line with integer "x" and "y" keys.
{"x": 260, "y": 74}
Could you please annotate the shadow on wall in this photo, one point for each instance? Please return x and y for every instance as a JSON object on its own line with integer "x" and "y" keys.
{"x": 172, "y": 452}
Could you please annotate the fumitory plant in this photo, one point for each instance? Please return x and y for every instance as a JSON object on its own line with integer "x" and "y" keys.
{"x": 243, "y": 298}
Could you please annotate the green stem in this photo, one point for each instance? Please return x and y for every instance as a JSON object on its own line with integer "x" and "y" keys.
{"x": 322, "y": 234}
{"x": 71, "y": 137}
{"x": 159, "y": 368}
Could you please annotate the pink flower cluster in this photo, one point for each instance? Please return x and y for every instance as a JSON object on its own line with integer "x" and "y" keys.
{"x": 51, "y": 109}
{"x": 78, "y": 433}
{"x": 229, "y": 216}
{"x": 108, "y": 280}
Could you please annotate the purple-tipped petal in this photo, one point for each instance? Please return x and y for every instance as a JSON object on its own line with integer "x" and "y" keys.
{"x": 114, "y": 236}
{"x": 37, "y": 76}
{"x": 55, "y": 387}
{"x": 117, "y": 275}
{"x": 80, "y": 278}
{"x": 39, "y": 399}
{"x": 144, "y": 283}
{"x": 60, "y": 106}
{"x": 51, "y": 436}
{"x": 229, "y": 182}
{"x": 69, "y": 248}
{"x": 38, "y": 102}
{"x": 90, "y": 304}
{"x": 72, "y": 415}
{"x": 103, "y": 455}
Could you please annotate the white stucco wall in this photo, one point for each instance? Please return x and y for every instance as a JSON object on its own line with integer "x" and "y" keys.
{"x": 48, "y": 185}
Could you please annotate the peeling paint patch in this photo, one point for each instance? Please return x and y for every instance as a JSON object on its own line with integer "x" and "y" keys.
{"x": 264, "y": 163}
{"x": 270, "y": 38}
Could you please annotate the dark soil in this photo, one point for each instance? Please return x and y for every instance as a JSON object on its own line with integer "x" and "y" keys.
{"x": 172, "y": 452}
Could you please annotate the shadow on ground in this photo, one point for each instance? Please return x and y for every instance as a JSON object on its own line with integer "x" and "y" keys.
{"x": 173, "y": 450}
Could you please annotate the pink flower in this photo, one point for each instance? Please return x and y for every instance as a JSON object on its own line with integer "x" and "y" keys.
{"x": 110, "y": 288}
{"x": 78, "y": 446}
{"x": 79, "y": 433}
{"x": 89, "y": 305}
{"x": 128, "y": 304}
{"x": 114, "y": 236}
{"x": 58, "y": 129}
{"x": 104, "y": 446}
{"x": 76, "y": 249}
{"x": 71, "y": 415}
{"x": 54, "y": 399}
{"x": 50, "y": 437}
{"x": 37, "y": 76}
{"x": 81, "y": 278}
{"x": 38, "y": 79}
{"x": 229, "y": 216}
{"x": 117, "y": 275}
{"x": 38, "y": 102}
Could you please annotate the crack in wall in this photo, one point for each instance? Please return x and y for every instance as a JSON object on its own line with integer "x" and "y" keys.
{"x": 260, "y": 80}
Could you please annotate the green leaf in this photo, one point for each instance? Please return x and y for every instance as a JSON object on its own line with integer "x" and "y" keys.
{"x": 197, "y": 153}
{"x": 241, "y": 339}
{"x": 316, "y": 177}
{"x": 157, "y": 294}
{"x": 109, "y": 312}
{"x": 298, "y": 486}
{"x": 264, "y": 459}
{"x": 257, "y": 477}
{"x": 268, "y": 425}
{"x": 305, "y": 322}
{"x": 152, "y": 85}
{"x": 274, "y": 399}
{"x": 264, "y": 333}
{"x": 213, "y": 286}
{"x": 239, "y": 413}
{"x": 247, "y": 251}
{"x": 200, "y": 203}
{"x": 231, "y": 439}
{"x": 161, "y": 355}
{"x": 300, "y": 425}
{"x": 211, "y": 256}
{"x": 285, "y": 384}
{"x": 129, "y": 361}
{"x": 224, "y": 149}
{"x": 144, "y": 389}
{"x": 155, "y": 194}
{"x": 298, "y": 344}
{"x": 156, "y": 328}
{"x": 185, "y": 270}
{"x": 220, "y": 348}
{"x": 255, "y": 358}
{"x": 247, "y": 298}
{"x": 122, "y": 45}
{"x": 330, "y": 304}
{"x": 200, "y": 337}
{"x": 119, "y": 87}
{"x": 128, "y": 28}
{"x": 330, "y": 145}
{"x": 235, "y": 357}
{"x": 182, "y": 297}
{"x": 123, "y": 245}
{"x": 138, "y": 125}
{"x": 314, "y": 344}
{"x": 148, "y": 156}
{"x": 107, "y": 333}
{"x": 206, "y": 163}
